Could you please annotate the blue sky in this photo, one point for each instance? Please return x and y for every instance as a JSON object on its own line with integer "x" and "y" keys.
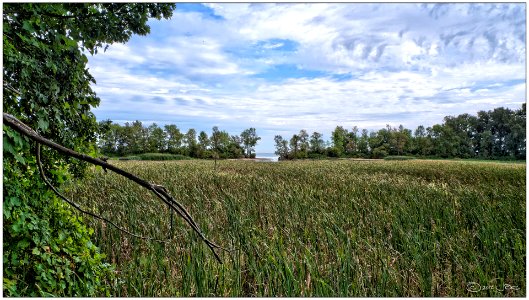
{"x": 285, "y": 67}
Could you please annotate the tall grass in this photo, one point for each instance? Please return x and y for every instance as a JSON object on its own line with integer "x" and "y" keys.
{"x": 317, "y": 228}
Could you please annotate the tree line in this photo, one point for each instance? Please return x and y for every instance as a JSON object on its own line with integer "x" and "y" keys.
{"x": 494, "y": 134}
{"x": 135, "y": 138}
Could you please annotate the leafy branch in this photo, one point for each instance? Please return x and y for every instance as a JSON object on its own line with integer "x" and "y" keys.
{"x": 158, "y": 190}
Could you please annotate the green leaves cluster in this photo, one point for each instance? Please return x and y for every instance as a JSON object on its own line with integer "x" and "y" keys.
{"x": 47, "y": 249}
{"x": 47, "y": 85}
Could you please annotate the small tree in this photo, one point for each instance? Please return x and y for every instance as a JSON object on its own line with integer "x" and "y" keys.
{"x": 203, "y": 144}
{"x": 316, "y": 142}
{"x": 281, "y": 147}
{"x": 174, "y": 138}
{"x": 190, "y": 139}
{"x": 249, "y": 140}
{"x": 294, "y": 145}
{"x": 339, "y": 139}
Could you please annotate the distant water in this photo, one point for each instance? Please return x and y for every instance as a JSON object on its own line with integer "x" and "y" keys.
{"x": 269, "y": 156}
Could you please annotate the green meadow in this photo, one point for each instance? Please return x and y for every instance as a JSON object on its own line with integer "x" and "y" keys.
{"x": 314, "y": 228}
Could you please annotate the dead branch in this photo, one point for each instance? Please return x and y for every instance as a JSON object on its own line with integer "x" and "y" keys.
{"x": 76, "y": 206}
{"x": 158, "y": 190}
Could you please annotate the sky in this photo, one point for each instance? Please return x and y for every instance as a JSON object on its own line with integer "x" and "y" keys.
{"x": 284, "y": 67}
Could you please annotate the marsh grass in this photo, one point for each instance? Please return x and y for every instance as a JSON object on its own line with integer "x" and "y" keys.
{"x": 316, "y": 228}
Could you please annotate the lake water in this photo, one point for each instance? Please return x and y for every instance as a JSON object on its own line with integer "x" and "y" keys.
{"x": 269, "y": 156}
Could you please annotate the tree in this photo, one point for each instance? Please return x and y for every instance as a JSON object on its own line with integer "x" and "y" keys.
{"x": 215, "y": 141}
{"x": 47, "y": 86}
{"x": 224, "y": 142}
{"x": 106, "y": 137}
{"x": 351, "y": 144}
{"x": 444, "y": 141}
{"x": 380, "y": 142}
{"x": 203, "y": 144}
{"x": 235, "y": 150}
{"x": 421, "y": 141}
{"x": 363, "y": 143}
{"x": 339, "y": 139}
{"x": 516, "y": 140}
{"x": 135, "y": 136}
{"x": 281, "y": 147}
{"x": 464, "y": 129}
{"x": 402, "y": 138}
{"x": 174, "y": 138}
{"x": 316, "y": 143}
{"x": 190, "y": 139}
{"x": 249, "y": 140}
{"x": 156, "y": 139}
{"x": 294, "y": 145}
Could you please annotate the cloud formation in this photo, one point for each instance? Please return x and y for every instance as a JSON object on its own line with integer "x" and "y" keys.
{"x": 284, "y": 67}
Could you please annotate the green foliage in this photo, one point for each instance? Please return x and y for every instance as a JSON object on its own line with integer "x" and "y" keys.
{"x": 155, "y": 156}
{"x": 47, "y": 250}
{"x": 162, "y": 156}
{"x": 44, "y": 48}
{"x": 249, "y": 140}
{"x": 496, "y": 134}
{"x": 340, "y": 228}
{"x": 133, "y": 157}
{"x": 117, "y": 140}
{"x": 394, "y": 157}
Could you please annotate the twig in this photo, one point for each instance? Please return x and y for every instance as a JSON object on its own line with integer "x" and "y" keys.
{"x": 12, "y": 89}
{"x": 158, "y": 190}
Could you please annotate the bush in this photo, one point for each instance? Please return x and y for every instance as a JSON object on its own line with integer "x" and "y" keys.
{"x": 333, "y": 152}
{"x": 380, "y": 152}
{"x": 47, "y": 250}
{"x": 317, "y": 156}
{"x": 395, "y": 157}
{"x": 162, "y": 156}
{"x": 156, "y": 156}
{"x": 130, "y": 158}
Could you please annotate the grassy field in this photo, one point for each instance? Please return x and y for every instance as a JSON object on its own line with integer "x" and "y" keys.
{"x": 317, "y": 228}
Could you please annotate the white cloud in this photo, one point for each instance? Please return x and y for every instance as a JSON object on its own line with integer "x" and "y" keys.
{"x": 408, "y": 63}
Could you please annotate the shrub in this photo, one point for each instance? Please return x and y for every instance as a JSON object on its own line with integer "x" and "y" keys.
{"x": 333, "y": 152}
{"x": 395, "y": 157}
{"x": 161, "y": 156}
{"x": 380, "y": 152}
{"x": 130, "y": 158}
{"x": 47, "y": 248}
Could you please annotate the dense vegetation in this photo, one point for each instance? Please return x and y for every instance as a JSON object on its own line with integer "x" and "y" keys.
{"x": 46, "y": 84}
{"x": 322, "y": 229}
{"x": 318, "y": 228}
{"x": 132, "y": 139}
{"x": 495, "y": 134}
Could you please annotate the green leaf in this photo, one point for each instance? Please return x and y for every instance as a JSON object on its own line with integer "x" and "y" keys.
{"x": 28, "y": 26}
{"x": 35, "y": 251}
{"x": 14, "y": 201}
{"x": 20, "y": 159}
{"x": 23, "y": 244}
{"x": 43, "y": 124}
{"x": 8, "y": 146}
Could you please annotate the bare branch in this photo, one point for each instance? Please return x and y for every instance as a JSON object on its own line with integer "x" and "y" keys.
{"x": 159, "y": 191}
{"x": 76, "y": 206}
{"x": 12, "y": 89}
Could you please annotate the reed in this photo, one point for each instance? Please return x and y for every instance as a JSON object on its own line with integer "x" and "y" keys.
{"x": 316, "y": 228}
